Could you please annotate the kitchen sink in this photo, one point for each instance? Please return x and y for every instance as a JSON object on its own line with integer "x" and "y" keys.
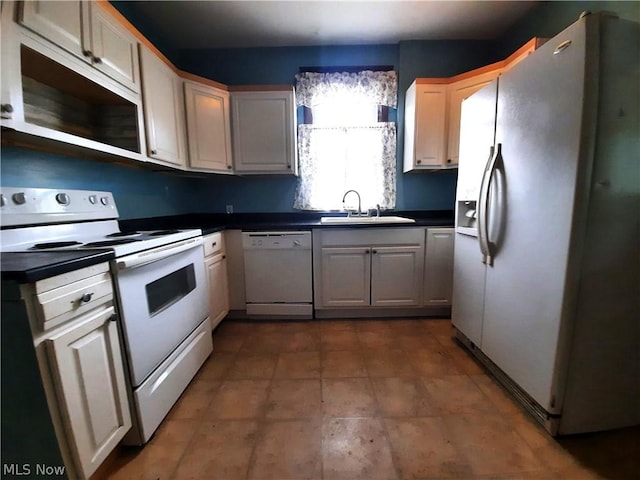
{"x": 361, "y": 220}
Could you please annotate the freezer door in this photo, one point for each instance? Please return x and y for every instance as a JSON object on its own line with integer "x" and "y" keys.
{"x": 531, "y": 214}
{"x": 477, "y": 129}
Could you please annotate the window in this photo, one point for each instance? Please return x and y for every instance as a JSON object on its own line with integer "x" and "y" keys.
{"x": 347, "y": 146}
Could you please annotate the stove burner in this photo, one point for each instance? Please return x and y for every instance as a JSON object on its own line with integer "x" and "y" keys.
{"x": 110, "y": 243}
{"x": 122, "y": 234}
{"x": 44, "y": 246}
{"x": 163, "y": 232}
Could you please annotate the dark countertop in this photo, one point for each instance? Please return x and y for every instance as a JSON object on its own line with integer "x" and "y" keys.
{"x": 28, "y": 267}
{"x": 215, "y": 222}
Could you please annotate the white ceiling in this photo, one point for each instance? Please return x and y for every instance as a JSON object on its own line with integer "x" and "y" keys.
{"x": 224, "y": 24}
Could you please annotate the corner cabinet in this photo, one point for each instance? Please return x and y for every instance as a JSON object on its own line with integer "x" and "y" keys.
{"x": 425, "y": 128}
{"x": 432, "y": 112}
{"x": 264, "y": 131}
{"x": 438, "y": 266}
{"x": 163, "y": 111}
{"x": 368, "y": 267}
{"x": 208, "y": 128}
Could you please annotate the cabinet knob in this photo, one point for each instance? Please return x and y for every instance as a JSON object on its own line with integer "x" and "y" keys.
{"x": 419, "y": 162}
{"x": 224, "y": 256}
{"x": 154, "y": 152}
{"x": 448, "y": 160}
{"x": 213, "y": 244}
{"x": 87, "y": 53}
{"x": 228, "y": 167}
{"x": 86, "y": 298}
{"x": 7, "y": 108}
{"x": 289, "y": 166}
{"x": 113, "y": 318}
{"x": 367, "y": 251}
{"x": 374, "y": 251}
{"x": 97, "y": 60}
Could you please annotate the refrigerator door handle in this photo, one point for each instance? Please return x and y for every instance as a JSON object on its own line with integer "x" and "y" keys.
{"x": 482, "y": 233}
{"x": 485, "y": 202}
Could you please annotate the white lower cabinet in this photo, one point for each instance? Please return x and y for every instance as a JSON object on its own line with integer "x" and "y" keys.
{"x": 368, "y": 267}
{"x": 216, "y": 264}
{"x": 438, "y": 266}
{"x": 396, "y": 276}
{"x": 88, "y": 373}
{"x": 346, "y": 277}
{"x": 75, "y": 334}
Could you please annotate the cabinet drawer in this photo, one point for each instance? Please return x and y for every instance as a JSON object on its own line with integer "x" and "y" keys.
{"x": 73, "y": 299}
{"x": 213, "y": 244}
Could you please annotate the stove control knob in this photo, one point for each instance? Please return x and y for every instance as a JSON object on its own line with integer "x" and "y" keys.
{"x": 63, "y": 199}
{"x": 104, "y": 200}
{"x": 2, "y": 200}
{"x": 19, "y": 198}
{"x": 93, "y": 199}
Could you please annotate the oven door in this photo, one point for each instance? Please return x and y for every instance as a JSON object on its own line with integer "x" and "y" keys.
{"x": 162, "y": 295}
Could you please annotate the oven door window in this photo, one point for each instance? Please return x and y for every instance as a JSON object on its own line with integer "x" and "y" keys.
{"x": 169, "y": 289}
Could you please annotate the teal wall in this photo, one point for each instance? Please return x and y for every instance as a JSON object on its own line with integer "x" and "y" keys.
{"x": 141, "y": 193}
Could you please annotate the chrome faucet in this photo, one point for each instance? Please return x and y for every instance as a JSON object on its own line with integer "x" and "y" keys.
{"x": 349, "y": 213}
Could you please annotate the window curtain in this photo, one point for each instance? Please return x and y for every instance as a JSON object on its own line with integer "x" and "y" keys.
{"x": 380, "y": 88}
{"x": 336, "y": 158}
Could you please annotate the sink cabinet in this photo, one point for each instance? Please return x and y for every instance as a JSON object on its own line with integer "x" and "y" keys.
{"x": 368, "y": 267}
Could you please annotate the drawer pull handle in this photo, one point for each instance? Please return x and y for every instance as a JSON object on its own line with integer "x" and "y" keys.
{"x": 86, "y": 298}
{"x": 214, "y": 244}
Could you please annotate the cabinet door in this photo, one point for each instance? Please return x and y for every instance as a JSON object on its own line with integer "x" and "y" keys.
{"x": 89, "y": 376}
{"x": 396, "y": 276}
{"x": 60, "y": 22}
{"x": 438, "y": 267}
{"x": 208, "y": 128}
{"x": 458, "y": 92}
{"x": 264, "y": 132}
{"x": 430, "y": 128}
{"x": 163, "y": 110}
{"x": 218, "y": 289}
{"x": 346, "y": 277}
{"x": 114, "y": 49}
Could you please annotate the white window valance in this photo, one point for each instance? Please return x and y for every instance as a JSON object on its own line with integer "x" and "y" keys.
{"x": 380, "y": 88}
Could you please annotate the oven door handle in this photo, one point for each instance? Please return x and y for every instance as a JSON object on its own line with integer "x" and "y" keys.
{"x": 155, "y": 254}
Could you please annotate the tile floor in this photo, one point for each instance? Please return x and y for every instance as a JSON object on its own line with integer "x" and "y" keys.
{"x": 362, "y": 399}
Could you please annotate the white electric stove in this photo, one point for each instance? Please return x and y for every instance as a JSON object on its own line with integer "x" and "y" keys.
{"x": 159, "y": 279}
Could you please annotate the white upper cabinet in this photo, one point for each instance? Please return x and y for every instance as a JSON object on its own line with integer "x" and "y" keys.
{"x": 114, "y": 51}
{"x": 425, "y": 128}
{"x": 163, "y": 111}
{"x": 458, "y": 92}
{"x": 208, "y": 128}
{"x": 264, "y": 132}
{"x": 88, "y": 31}
{"x": 432, "y": 112}
{"x": 61, "y": 22}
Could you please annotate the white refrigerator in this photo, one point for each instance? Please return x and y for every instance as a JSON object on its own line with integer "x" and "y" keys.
{"x": 547, "y": 245}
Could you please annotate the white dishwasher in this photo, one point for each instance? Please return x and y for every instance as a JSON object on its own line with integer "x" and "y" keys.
{"x": 278, "y": 273}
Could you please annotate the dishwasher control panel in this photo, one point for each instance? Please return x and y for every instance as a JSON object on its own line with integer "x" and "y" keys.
{"x": 276, "y": 240}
